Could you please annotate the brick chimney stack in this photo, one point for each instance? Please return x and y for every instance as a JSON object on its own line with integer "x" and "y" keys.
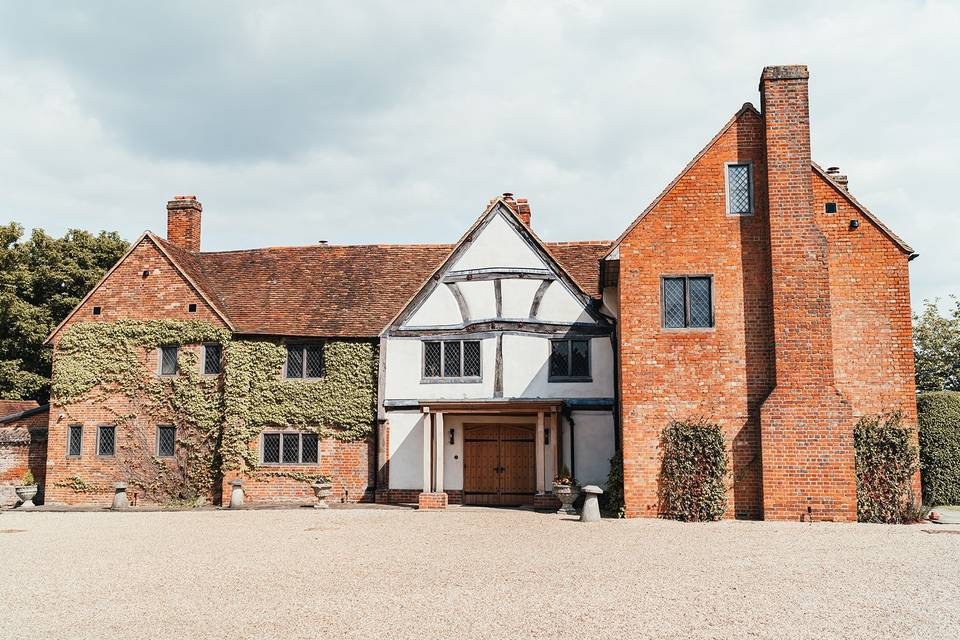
{"x": 523, "y": 211}
{"x": 806, "y": 424}
{"x": 183, "y": 222}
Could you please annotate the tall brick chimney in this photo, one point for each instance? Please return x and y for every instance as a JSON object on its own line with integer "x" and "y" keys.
{"x": 183, "y": 222}
{"x": 806, "y": 423}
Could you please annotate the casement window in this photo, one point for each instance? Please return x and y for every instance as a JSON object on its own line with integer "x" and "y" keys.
{"x": 739, "y": 179}
{"x": 687, "y": 302}
{"x": 451, "y": 360}
{"x": 290, "y": 447}
{"x": 106, "y": 440}
{"x": 304, "y": 361}
{"x": 74, "y": 440}
{"x": 168, "y": 360}
{"x": 570, "y": 360}
{"x": 212, "y": 358}
{"x": 166, "y": 441}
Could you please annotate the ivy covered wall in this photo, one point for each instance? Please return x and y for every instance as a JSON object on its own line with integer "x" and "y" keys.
{"x": 110, "y": 368}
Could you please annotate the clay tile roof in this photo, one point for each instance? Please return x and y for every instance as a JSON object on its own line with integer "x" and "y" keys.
{"x": 336, "y": 290}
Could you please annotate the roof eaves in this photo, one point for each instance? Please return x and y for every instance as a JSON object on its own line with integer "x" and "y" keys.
{"x": 26, "y": 413}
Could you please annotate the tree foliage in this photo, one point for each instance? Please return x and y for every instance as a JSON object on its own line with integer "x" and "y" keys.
{"x": 42, "y": 279}
{"x": 936, "y": 345}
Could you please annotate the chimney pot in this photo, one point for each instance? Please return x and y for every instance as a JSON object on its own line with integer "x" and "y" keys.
{"x": 183, "y": 222}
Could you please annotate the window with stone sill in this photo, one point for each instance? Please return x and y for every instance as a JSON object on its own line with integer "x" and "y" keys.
{"x": 168, "y": 360}
{"x": 739, "y": 182}
{"x": 166, "y": 441}
{"x": 687, "y": 302}
{"x": 74, "y": 440}
{"x": 106, "y": 440}
{"x": 290, "y": 447}
{"x": 212, "y": 358}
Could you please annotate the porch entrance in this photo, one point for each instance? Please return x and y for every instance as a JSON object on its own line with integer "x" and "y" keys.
{"x": 499, "y": 464}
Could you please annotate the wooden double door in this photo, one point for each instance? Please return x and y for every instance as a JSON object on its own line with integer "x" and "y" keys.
{"x": 499, "y": 464}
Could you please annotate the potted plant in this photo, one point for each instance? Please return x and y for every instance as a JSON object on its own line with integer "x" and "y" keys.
{"x": 26, "y": 490}
{"x": 567, "y": 489}
{"x": 322, "y": 487}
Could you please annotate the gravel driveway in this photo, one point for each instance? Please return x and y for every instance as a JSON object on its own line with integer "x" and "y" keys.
{"x": 467, "y": 573}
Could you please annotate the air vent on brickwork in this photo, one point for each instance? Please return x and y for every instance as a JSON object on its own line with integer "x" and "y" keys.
{"x": 96, "y": 311}
{"x": 192, "y": 307}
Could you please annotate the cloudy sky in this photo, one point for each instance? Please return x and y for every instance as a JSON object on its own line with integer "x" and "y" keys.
{"x": 397, "y": 121}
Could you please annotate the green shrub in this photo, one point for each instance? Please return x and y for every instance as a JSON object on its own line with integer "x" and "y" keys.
{"x": 27, "y": 479}
{"x": 615, "y": 507}
{"x": 939, "y": 414}
{"x": 693, "y": 472}
{"x": 886, "y": 461}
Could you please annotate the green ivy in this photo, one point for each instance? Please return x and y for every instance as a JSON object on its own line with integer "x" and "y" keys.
{"x": 887, "y": 458}
{"x": 217, "y": 417}
{"x": 693, "y": 472}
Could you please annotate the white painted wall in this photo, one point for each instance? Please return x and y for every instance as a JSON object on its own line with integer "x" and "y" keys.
{"x": 516, "y": 297}
{"x": 439, "y": 309}
{"x": 525, "y": 371}
{"x": 594, "y": 446}
{"x": 498, "y": 245}
{"x": 480, "y": 297}
{"x": 559, "y": 305}
{"x": 404, "y": 374}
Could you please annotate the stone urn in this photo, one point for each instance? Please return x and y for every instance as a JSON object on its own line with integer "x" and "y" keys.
{"x": 567, "y": 493}
{"x": 26, "y": 493}
{"x": 322, "y": 489}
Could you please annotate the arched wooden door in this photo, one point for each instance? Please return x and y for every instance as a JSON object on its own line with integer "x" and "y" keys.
{"x": 499, "y": 464}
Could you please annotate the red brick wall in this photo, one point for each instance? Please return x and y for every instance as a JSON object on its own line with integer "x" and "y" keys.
{"x": 23, "y": 447}
{"x": 348, "y": 464}
{"x": 721, "y": 373}
{"x": 842, "y": 312}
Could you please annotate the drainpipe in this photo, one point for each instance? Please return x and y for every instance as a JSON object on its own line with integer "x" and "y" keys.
{"x": 567, "y": 413}
{"x": 615, "y": 344}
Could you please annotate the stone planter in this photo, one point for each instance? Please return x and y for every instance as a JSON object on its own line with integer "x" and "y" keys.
{"x": 236, "y": 494}
{"x": 26, "y": 494}
{"x": 567, "y": 493}
{"x": 322, "y": 491}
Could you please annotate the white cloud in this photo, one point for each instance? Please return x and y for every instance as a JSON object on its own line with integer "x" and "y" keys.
{"x": 396, "y": 122}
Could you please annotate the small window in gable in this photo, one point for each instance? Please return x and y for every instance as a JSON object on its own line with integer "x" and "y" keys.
{"x": 97, "y": 311}
{"x": 168, "y": 360}
{"x": 192, "y": 307}
{"x": 830, "y": 207}
{"x": 739, "y": 189}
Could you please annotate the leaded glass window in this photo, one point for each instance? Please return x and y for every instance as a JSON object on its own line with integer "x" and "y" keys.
{"x": 75, "y": 440}
{"x": 451, "y": 359}
{"x": 291, "y": 447}
{"x": 570, "y": 359}
{"x": 106, "y": 440}
{"x": 739, "y": 189}
{"x": 166, "y": 441}
{"x": 168, "y": 360}
{"x": 687, "y": 302}
{"x": 212, "y": 358}
{"x": 305, "y": 361}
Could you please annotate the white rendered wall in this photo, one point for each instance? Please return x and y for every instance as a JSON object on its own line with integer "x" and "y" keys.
{"x": 517, "y": 296}
{"x": 526, "y": 368}
{"x": 480, "y": 297}
{"x": 404, "y": 373}
{"x": 439, "y": 309}
{"x": 594, "y": 446}
{"x": 498, "y": 245}
{"x": 559, "y": 305}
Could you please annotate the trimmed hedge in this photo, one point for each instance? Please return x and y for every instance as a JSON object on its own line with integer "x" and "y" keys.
{"x": 886, "y": 461}
{"x": 693, "y": 471}
{"x": 939, "y": 414}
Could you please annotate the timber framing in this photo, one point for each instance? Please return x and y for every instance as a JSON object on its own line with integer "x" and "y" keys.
{"x": 531, "y": 326}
